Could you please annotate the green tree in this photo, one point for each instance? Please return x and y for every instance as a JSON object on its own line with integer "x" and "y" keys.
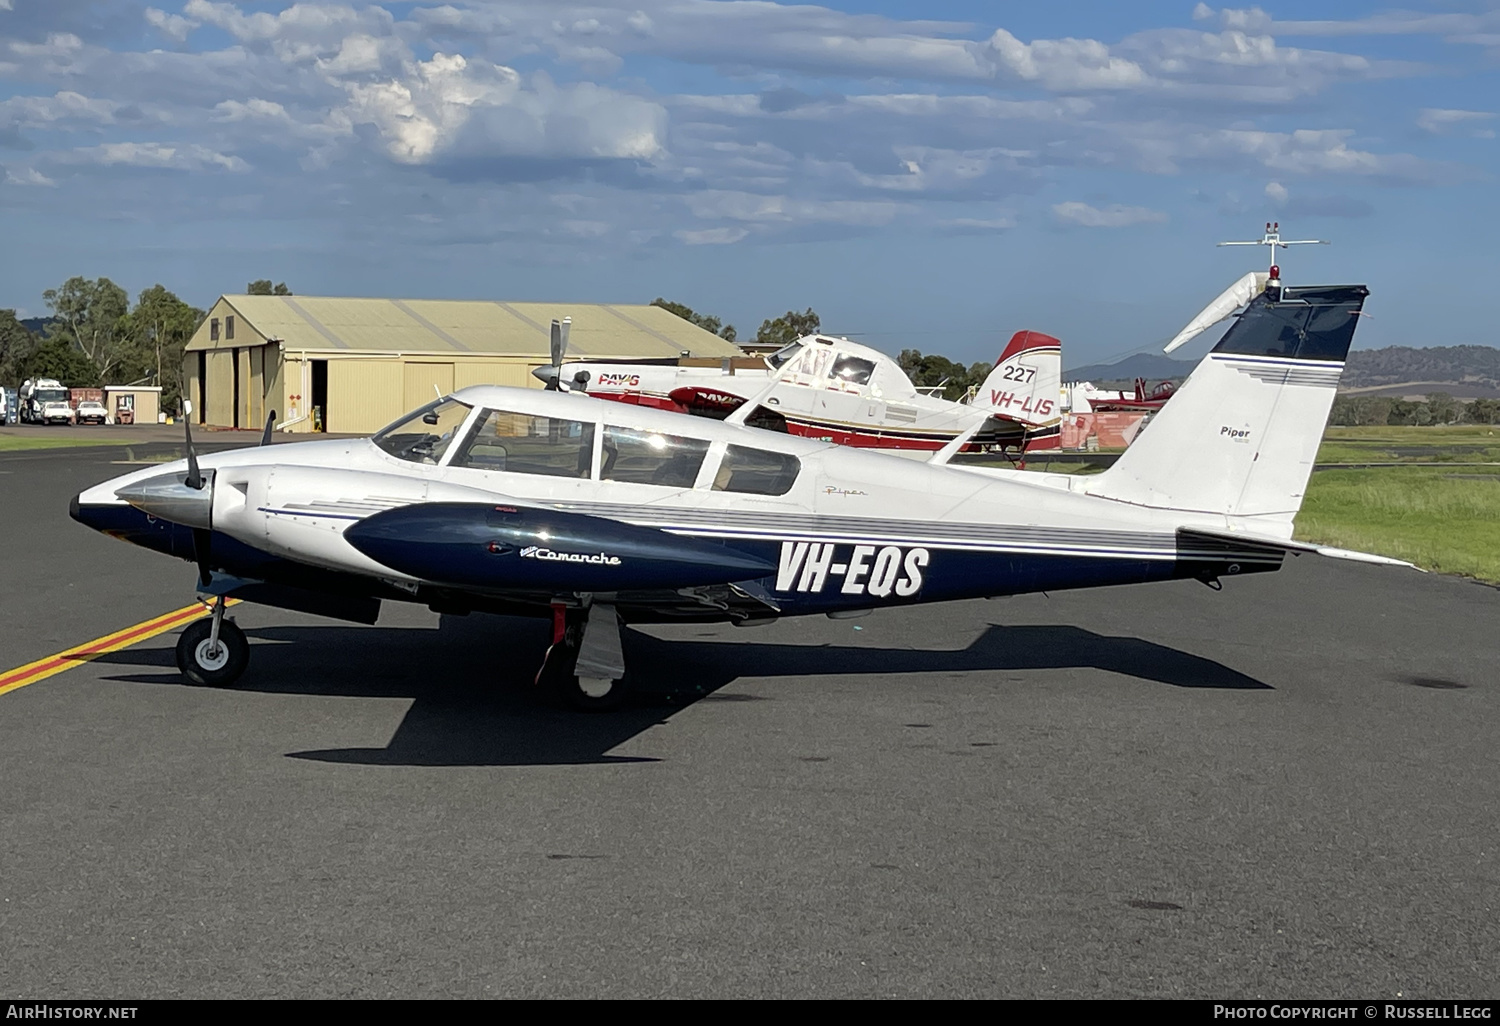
{"x": 57, "y": 357}
{"x": 263, "y": 287}
{"x": 1445, "y": 409}
{"x": 1484, "y": 411}
{"x": 16, "y": 345}
{"x": 705, "y": 321}
{"x": 928, "y": 370}
{"x": 92, "y": 316}
{"x": 160, "y": 326}
{"x": 789, "y": 327}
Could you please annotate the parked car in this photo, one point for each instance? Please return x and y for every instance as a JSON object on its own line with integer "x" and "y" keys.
{"x": 57, "y": 411}
{"x": 91, "y": 411}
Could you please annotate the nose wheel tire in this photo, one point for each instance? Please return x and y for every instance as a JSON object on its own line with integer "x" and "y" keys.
{"x": 203, "y": 662}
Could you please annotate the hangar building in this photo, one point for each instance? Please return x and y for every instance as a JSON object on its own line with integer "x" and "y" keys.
{"x": 355, "y": 365}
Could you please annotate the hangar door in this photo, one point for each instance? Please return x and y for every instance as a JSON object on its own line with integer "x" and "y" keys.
{"x": 419, "y": 380}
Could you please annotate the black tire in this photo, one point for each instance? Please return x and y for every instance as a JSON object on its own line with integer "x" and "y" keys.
{"x": 558, "y": 675}
{"x": 593, "y": 696}
{"x": 198, "y": 666}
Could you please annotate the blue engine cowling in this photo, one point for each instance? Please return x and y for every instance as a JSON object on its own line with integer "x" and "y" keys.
{"x": 477, "y": 545}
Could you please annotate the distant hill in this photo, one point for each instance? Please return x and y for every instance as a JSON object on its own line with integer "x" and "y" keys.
{"x": 1431, "y": 368}
{"x": 1395, "y": 365}
{"x": 1150, "y": 366}
{"x": 37, "y": 325}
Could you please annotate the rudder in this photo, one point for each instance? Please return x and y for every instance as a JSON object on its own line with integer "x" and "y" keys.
{"x": 1026, "y": 384}
{"x": 1240, "y": 436}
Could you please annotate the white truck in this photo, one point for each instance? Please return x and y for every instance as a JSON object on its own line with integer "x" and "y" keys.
{"x": 36, "y": 394}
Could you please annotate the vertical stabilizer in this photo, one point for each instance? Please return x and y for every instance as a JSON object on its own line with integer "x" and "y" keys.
{"x": 1240, "y": 436}
{"x": 1026, "y": 384}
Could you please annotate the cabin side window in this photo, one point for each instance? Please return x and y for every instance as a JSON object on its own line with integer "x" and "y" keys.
{"x": 520, "y": 443}
{"x": 650, "y": 457}
{"x": 756, "y": 471}
{"x": 853, "y": 369}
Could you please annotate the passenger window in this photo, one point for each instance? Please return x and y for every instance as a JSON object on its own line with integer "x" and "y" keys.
{"x": 650, "y": 457}
{"x": 520, "y": 443}
{"x": 853, "y": 369}
{"x": 815, "y": 362}
{"x": 756, "y": 471}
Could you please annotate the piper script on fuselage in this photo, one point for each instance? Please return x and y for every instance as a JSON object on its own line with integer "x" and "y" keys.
{"x": 879, "y": 570}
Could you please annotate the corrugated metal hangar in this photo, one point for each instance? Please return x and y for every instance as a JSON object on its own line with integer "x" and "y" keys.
{"x": 354, "y": 365}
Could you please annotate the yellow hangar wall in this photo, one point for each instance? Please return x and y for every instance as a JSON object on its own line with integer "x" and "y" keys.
{"x": 365, "y": 392}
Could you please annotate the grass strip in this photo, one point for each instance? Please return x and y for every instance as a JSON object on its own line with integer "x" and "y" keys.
{"x": 14, "y": 443}
{"x": 1438, "y": 519}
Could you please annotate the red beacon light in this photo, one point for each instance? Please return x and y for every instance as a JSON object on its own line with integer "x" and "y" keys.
{"x": 1275, "y": 273}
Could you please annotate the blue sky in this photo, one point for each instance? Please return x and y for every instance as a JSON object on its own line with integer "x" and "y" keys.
{"x": 934, "y": 175}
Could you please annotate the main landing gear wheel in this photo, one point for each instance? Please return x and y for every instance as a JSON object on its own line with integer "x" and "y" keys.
{"x": 216, "y": 664}
{"x": 597, "y": 685}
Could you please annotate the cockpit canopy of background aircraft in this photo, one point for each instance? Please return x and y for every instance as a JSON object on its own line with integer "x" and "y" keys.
{"x": 837, "y": 363}
{"x": 451, "y": 433}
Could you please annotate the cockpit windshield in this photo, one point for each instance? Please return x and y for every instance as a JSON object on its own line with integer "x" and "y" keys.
{"x": 779, "y": 358}
{"x": 425, "y": 435}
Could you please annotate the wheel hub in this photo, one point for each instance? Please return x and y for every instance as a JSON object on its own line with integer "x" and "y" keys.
{"x": 211, "y": 656}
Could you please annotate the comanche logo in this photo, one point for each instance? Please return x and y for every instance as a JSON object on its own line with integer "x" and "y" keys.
{"x": 597, "y": 558}
{"x": 869, "y": 569}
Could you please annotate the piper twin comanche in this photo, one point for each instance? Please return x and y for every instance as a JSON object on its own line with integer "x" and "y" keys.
{"x": 599, "y": 515}
{"x": 835, "y": 390}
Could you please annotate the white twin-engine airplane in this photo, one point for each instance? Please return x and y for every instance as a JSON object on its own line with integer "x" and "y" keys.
{"x": 839, "y": 391}
{"x": 599, "y": 515}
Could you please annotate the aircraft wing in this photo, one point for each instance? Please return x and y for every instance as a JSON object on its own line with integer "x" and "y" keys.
{"x": 1219, "y": 538}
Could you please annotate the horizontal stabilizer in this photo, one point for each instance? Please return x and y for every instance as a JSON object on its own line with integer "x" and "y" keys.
{"x": 1193, "y": 533}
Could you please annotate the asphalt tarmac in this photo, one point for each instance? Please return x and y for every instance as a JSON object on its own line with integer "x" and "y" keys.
{"x": 1285, "y": 789}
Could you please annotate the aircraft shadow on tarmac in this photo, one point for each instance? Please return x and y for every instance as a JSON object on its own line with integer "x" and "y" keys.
{"x": 475, "y": 703}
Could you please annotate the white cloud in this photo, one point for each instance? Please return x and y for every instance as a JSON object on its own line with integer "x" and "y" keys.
{"x": 34, "y": 111}
{"x": 1276, "y": 193}
{"x": 711, "y": 236}
{"x": 187, "y": 157}
{"x": 174, "y": 26}
{"x": 1114, "y": 216}
{"x": 1065, "y": 65}
{"x": 979, "y": 224}
{"x": 27, "y": 176}
{"x": 451, "y": 106}
{"x": 1442, "y": 122}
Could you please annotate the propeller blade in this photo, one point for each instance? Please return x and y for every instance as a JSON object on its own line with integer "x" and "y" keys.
{"x": 195, "y": 476}
{"x": 265, "y": 438}
{"x": 557, "y": 343}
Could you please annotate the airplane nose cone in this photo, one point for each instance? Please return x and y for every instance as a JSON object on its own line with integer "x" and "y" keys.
{"x": 546, "y": 374}
{"x": 169, "y": 498}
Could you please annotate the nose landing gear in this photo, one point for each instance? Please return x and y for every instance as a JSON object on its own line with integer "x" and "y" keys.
{"x": 213, "y": 651}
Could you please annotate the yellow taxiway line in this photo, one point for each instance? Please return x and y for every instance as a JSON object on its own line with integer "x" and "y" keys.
{"x": 80, "y": 654}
